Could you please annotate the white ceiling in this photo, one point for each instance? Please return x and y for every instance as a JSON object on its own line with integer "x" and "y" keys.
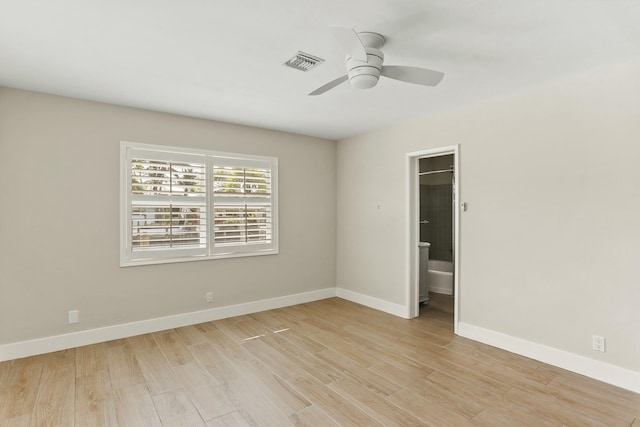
{"x": 222, "y": 59}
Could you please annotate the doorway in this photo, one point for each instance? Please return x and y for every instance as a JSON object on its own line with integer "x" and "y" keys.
{"x": 433, "y": 227}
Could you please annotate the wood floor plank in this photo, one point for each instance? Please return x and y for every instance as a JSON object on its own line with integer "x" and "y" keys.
{"x": 124, "y": 370}
{"x": 272, "y": 358}
{"x": 373, "y": 402}
{"x": 175, "y": 409}
{"x": 134, "y": 406}
{"x": 271, "y": 320}
{"x": 493, "y": 355}
{"x": 311, "y": 416}
{"x": 208, "y": 397}
{"x": 141, "y": 343}
{"x": 426, "y": 411}
{"x": 421, "y": 385}
{"x": 319, "y": 325}
{"x": 488, "y": 418}
{"x": 91, "y": 359}
{"x": 243, "y": 327}
{"x": 4, "y": 372}
{"x": 613, "y": 397}
{"x": 211, "y": 360}
{"x": 400, "y": 330}
{"x": 233, "y": 419}
{"x": 358, "y": 355}
{"x": 157, "y": 372}
{"x": 303, "y": 341}
{"x": 173, "y": 347}
{"x": 364, "y": 376}
{"x": 255, "y": 406}
{"x": 436, "y": 362}
{"x": 300, "y": 321}
{"x": 190, "y": 335}
{"x": 454, "y": 393}
{"x": 272, "y": 384}
{"x": 311, "y": 364}
{"x": 333, "y": 404}
{"x": 20, "y": 421}
{"x": 116, "y": 343}
{"x": 18, "y": 390}
{"x": 547, "y": 408}
{"x": 491, "y": 399}
{"x": 252, "y": 404}
{"x": 580, "y": 402}
{"x": 55, "y": 403}
{"x": 94, "y": 400}
{"x": 206, "y": 327}
{"x": 597, "y": 387}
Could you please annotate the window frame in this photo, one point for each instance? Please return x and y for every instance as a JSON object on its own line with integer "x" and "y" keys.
{"x": 130, "y": 150}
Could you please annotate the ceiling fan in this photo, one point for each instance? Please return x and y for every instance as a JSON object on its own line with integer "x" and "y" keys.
{"x": 364, "y": 63}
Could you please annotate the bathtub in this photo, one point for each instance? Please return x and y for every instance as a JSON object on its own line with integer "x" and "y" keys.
{"x": 441, "y": 277}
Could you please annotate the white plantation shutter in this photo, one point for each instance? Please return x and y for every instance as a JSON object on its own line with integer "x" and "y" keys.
{"x": 181, "y": 205}
{"x": 242, "y": 206}
{"x": 168, "y": 215}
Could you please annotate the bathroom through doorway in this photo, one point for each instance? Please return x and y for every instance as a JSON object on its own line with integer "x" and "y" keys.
{"x": 434, "y": 232}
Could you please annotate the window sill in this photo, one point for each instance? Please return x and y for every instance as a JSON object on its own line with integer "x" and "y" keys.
{"x": 136, "y": 262}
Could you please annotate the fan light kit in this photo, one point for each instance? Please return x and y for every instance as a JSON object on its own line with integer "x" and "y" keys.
{"x": 365, "y": 60}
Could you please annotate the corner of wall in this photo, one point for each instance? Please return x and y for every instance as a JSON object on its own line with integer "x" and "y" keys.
{"x": 375, "y": 303}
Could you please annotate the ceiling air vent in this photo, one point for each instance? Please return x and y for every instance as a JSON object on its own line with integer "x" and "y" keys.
{"x": 303, "y": 61}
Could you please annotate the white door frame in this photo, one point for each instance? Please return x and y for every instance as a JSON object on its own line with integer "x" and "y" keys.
{"x": 413, "y": 231}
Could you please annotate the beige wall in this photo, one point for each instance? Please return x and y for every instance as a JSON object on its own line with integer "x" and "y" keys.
{"x": 59, "y": 177}
{"x": 549, "y": 249}
{"x": 550, "y": 244}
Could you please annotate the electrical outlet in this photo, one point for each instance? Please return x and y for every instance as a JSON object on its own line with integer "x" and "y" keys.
{"x": 598, "y": 343}
{"x": 73, "y": 316}
{"x": 209, "y": 296}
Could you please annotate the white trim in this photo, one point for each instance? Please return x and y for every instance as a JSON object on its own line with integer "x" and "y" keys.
{"x": 130, "y": 150}
{"x": 372, "y": 302}
{"x": 620, "y": 377}
{"x": 412, "y": 261}
{"x": 412, "y": 217}
{"x": 108, "y": 333}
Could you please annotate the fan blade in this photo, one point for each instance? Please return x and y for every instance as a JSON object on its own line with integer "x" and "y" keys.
{"x": 333, "y": 83}
{"x": 349, "y": 39}
{"x": 415, "y": 75}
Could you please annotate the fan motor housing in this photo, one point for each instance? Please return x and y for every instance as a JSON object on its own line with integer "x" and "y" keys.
{"x": 365, "y": 74}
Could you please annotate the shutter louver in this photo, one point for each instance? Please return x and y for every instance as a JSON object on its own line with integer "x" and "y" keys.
{"x": 242, "y": 205}
{"x": 168, "y": 207}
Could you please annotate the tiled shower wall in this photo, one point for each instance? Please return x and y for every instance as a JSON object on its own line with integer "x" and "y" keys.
{"x": 436, "y": 207}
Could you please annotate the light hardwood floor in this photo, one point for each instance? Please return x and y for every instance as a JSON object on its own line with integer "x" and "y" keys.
{"x": 325, "y": 363}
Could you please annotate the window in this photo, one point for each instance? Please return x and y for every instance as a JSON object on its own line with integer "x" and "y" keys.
{"x": 181, "y": 205}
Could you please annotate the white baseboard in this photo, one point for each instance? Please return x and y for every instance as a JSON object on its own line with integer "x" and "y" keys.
{"x": 378, "y": 304}
{"x": 444, "y": 290}
{"x": 615, "y": 375}
{"x": 602, "y": 371}
{"x": 92, "y": 336}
